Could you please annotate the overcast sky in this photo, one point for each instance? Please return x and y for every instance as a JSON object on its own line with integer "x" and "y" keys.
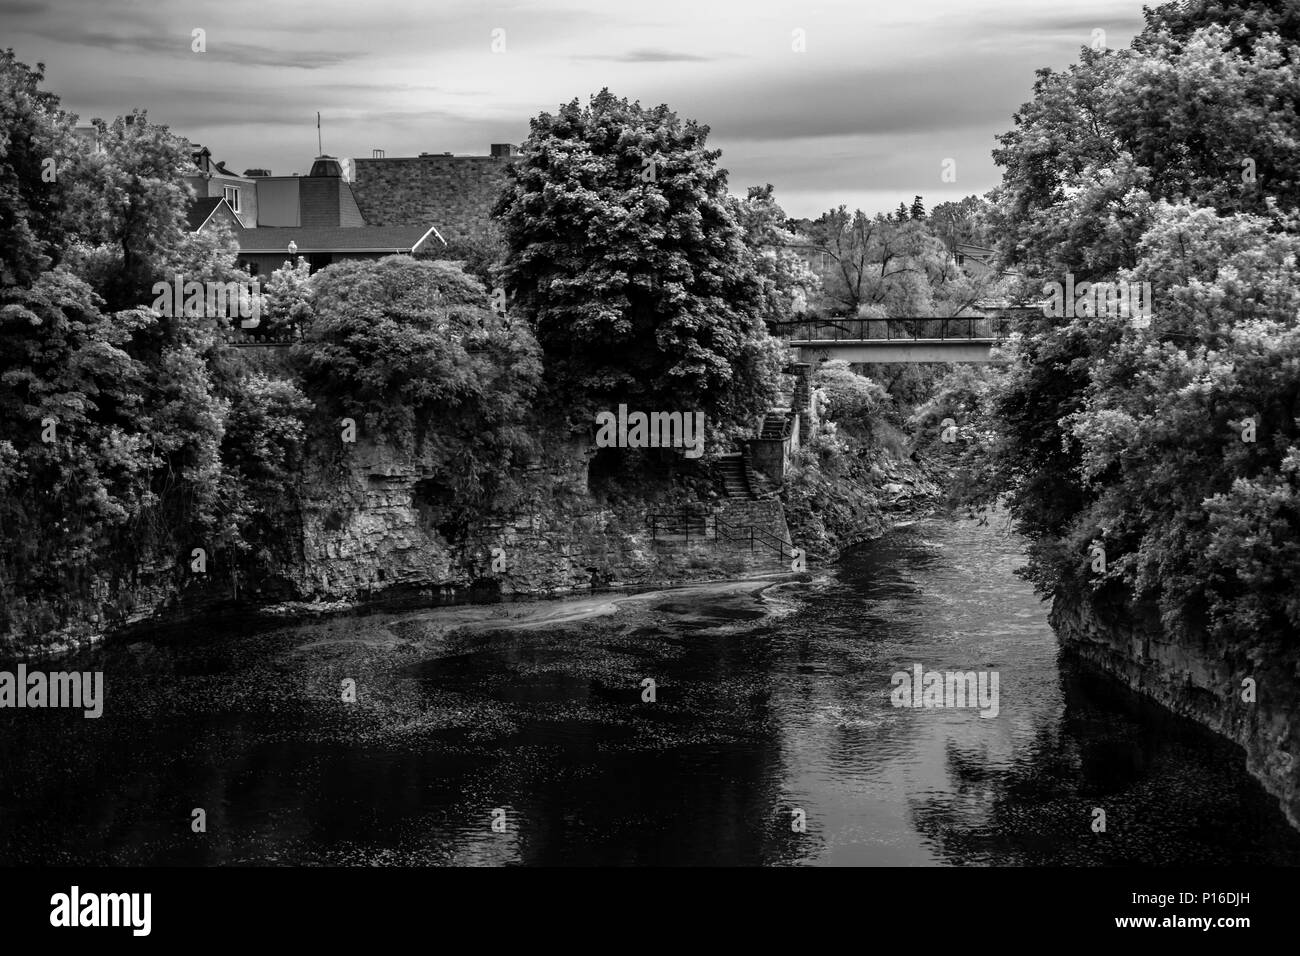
{"x": 884, "y": 93}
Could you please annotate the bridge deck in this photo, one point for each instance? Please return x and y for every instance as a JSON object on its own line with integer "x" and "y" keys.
{"x": 912, "y": 339}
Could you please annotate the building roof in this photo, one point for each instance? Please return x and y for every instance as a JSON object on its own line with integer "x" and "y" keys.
{"x": 201, "y": 156}
{"x": 276, "y": 239}
{"x": 201, "y": 210}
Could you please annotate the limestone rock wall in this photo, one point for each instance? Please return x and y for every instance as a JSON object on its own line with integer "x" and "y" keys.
{"x": 1198, "y": 677}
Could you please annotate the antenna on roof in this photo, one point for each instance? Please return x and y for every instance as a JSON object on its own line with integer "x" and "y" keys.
{"x": 319, "y": 147}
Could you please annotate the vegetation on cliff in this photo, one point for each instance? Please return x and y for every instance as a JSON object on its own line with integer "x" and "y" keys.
{"x": 1161, "y": 461}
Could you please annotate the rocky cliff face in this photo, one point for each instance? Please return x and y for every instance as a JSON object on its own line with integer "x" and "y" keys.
{"x": 362, "y": 526}
{"x": 1193, "y": 675}
{"x": 369, "y": 531}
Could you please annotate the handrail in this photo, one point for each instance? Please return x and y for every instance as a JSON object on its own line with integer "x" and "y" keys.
{"x": 884, "y": 330}
{"x": 755, "y": 534}
{"x": 680, "y": 521}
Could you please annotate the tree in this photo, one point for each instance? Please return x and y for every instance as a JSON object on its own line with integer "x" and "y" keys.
{"x": 1102, "y": 141}
{"x": 35, "y": 139}
{"x": 1248, "y": 20}
{"x": 410, "y": 350}
{"x": 287, "y": 299}
{"x": 625, "y": 254}
{"x": 917, "y": 212}
{"x": 853, "y": 401}
{"x": 112, "y": 421}
{"x": 1172, "y": 446}
{"x": 963, "y": 221}
{"x": 130, "y": 199}
{"x": 880, "y": 268}
{"x": 1188, "y": 437}
{"x": 788, "y": 283}
{"x": 1088, "y": 170}
{"x": 480, "y": 256}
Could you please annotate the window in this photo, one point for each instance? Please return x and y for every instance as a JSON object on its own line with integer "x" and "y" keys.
{"x": 231, "y": 195}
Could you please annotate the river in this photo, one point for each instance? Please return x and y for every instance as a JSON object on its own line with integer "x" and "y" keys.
{"x": 771, "y": 738}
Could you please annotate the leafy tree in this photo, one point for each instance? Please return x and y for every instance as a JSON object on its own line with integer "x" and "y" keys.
{"x": 129, "y": 197}
{"x": 287, "y": 298}
{"x": 890, "y": 268}
{"x": 963, "y": 221}
{"x": 262, "y": 451}
{"x": 787, "y": 281}
{"x": 113, "y": 421}
{"x": 409, "y": 349}
{"x": 480, "y": 256}
{"x": 1114, "y": 172}
{"x": 71, "y": 409}
{"x": 1102, "y": 141}
{"x": 1183, "y": 429}
{"x": 35, "y": 138}
{"x": 1248, "y": 20}
{"x": 853, "y": 402}
{"x": 625, "y": 254}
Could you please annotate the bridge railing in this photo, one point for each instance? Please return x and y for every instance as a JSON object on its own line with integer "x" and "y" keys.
{"x": 889, "y": 330}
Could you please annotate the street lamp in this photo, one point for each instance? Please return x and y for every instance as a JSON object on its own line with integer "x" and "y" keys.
{"x": 293, "y": 248}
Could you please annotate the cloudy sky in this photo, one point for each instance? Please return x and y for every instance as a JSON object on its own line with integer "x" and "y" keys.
{"x": 882, "y": 95}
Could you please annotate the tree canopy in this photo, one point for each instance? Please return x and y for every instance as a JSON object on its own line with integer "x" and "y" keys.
{"x": 1172, "y": 448}
{"x": 625, "y": 255}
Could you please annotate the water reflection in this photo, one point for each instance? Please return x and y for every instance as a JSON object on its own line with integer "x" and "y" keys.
{"x": 765, "y": 704}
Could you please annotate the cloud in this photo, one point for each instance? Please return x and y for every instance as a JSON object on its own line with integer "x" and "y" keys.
{"x": 649, "y": 56}
{"x": 879, "y": 99}
{"x": 178, "y": 45}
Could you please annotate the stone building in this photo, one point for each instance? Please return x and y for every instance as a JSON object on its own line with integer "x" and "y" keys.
{"x": 314, "y": 216}
{"x": 456, "y": 192}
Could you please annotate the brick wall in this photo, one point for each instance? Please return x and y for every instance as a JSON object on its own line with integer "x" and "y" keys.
{"x": 454, "y": 193}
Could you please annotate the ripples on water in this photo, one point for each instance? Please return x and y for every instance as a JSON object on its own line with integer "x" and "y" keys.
{"x": 765, "y": 703}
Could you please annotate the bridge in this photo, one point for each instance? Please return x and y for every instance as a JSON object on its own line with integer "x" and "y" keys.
{"x": 913, "y": 339}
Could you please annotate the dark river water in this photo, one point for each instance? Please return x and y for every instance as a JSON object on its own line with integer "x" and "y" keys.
{"x": 769, "y": 708}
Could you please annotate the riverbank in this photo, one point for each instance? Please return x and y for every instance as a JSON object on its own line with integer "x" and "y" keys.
{"x": 368, "y": 543}
{"x": 1248, "y": 695}
{"x": 396, "y": 738}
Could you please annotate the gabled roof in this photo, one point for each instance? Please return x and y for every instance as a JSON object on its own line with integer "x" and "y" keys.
{"x": 276, "y": 239}
{"x": 204, "y": 209}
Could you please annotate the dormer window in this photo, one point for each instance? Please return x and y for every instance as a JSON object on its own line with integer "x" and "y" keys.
{"x": 231, "y": 195}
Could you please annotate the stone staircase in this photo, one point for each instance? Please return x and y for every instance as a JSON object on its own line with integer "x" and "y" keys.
{"x": 776, "y": 425}
{"x": 734, "y": 477}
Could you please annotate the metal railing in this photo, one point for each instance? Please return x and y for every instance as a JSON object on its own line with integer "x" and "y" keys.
{"x": 678, "y": 524}
{"x": 755, "y": 537}
{"x": 686, "y": 523}
{"x": 966, "y": 328}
